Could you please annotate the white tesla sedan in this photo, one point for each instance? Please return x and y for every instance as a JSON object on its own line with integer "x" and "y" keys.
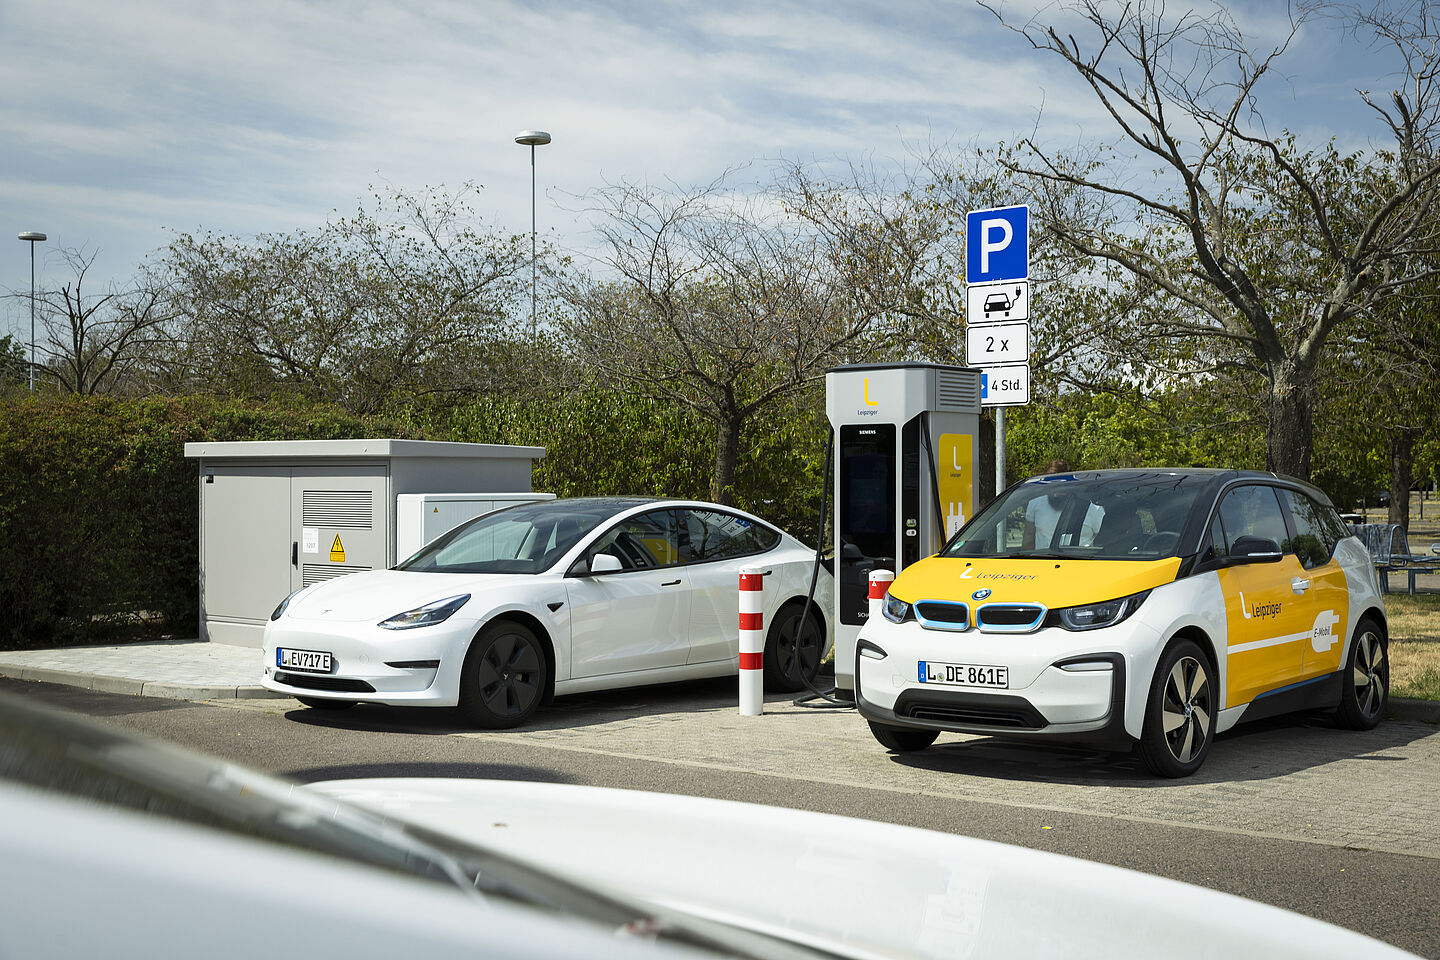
{"x": 517, "y": 606}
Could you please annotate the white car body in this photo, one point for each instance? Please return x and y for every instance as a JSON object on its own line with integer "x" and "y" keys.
{"x": 854, "y": 887}
{"x": 604, "y": 630}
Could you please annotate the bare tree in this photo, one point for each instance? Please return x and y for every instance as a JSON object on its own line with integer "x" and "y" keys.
{"x": 717, "y": 301}
{"x": 354, "y": 312}
{"x": 101, "y": 343}
{"x": 1250, "y": 249}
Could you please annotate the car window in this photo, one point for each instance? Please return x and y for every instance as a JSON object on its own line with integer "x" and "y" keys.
{"x": 1314, "y": 543}
{"x": 1252, "y": 513}
{"x": 716, "y": 535}
{"x": 1336, "y": 524}
{"x": 1138, "y": 517}
{"x": 644, "y": 542}
{"x": 523, "y": 539}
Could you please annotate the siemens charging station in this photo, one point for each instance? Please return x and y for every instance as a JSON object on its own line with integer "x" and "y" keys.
{"x": 907, "y": 449}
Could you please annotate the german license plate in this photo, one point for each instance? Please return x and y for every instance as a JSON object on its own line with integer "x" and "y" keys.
{"x": 964, "y": 674}
{"x": 306, "y": 661}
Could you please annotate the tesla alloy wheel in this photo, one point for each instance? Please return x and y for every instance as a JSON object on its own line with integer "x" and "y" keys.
{"x": 1180, "y": 716}
{"x": 1366, "y": 686}
{"x": 792, "y": 650}
{"x": 504, "y": 677}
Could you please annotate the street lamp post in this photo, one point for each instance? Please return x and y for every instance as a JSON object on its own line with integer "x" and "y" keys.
{"x": 33, "y": 237}
{"x": 532, "y": 139}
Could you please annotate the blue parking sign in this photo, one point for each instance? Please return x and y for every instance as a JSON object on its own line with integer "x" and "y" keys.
{"x": 997, "y": 244}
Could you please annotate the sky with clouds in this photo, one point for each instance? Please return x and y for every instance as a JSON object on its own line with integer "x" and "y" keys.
{"x": 122, "y": 123}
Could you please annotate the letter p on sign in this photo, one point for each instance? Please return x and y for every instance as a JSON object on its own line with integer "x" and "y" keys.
{"x": 997, "y": 244}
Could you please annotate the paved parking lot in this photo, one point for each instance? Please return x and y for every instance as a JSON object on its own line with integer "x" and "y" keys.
{"x": 1293, "y": 778}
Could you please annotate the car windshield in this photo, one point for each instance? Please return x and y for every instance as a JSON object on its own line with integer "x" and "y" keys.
{"x": 1064, "y": 516}
{"x": 524, "y": 539}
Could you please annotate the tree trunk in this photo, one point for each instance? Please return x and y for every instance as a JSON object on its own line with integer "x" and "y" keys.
{"x": 727, "y": 454}
{"x": 1402, "y": 447}
{"x": 1291, "y": 429}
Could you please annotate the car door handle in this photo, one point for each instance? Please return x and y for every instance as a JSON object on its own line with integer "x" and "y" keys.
{"x": 670, "y": 583}
{"x": 1299, "y": 584}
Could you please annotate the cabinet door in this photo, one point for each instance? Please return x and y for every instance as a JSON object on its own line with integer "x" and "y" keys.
{"x": 246, "y": 551}
{"x": 339, "y": 523}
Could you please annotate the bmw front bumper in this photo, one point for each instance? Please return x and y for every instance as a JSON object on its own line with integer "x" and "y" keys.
{"x": 1056, "y": 689}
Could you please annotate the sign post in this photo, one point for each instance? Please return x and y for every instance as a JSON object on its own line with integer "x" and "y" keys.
{"x": 997, "y": 312}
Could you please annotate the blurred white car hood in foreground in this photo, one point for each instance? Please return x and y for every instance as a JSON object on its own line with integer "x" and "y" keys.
{"x": 856, "y": 887}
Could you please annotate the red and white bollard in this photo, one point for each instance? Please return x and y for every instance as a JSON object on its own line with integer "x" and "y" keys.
{"x": 880, "y": 581}
{"x": 752, "y": 641}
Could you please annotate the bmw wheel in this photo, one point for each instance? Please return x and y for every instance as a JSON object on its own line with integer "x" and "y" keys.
{"x": 1365, "y": 688}
{"x": 792, "y": 649}
{"x": 902, "y": 739}
{"x": 1181, "y": 712}
{"x": 504, "y": 677}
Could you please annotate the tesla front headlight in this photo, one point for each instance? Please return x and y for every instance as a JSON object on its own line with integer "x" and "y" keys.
{"x": 279, "y": 611}
{"x": 428, "y": 615}
{"x": 896, "y": 611}
{"x": 1093, "y": 616}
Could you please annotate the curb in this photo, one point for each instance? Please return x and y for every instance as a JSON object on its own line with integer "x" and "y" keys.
{"x": 1420, "y": 711}
{"x": 141, "y": 688}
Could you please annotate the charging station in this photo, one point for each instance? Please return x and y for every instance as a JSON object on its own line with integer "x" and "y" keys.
{"x": 906, "y": 449}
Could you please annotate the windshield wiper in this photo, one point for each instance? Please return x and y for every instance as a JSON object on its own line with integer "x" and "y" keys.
{"x": 1039, "y": 555}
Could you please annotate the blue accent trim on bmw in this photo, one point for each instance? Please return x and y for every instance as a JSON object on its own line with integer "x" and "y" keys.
{"x": 1294, "y": 686}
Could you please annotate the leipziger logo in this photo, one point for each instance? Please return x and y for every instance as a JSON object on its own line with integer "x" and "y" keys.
{"x": 1259, "y": 611}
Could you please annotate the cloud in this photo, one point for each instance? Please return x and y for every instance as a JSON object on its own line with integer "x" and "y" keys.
{"x": 124, "y": 119}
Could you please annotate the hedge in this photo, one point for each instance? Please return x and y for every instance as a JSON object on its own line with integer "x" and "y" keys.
{"x": 98, "y": 508}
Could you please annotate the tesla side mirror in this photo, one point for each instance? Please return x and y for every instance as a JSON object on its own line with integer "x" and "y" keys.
{"x": 605, "y": 563}
{"x": 848, "y": 551}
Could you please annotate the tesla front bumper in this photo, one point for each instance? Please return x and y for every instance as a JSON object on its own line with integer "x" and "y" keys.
{"x": 420, "y": 667}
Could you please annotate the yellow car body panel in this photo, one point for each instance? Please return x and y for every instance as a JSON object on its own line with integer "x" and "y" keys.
{"x": 1054, "y": 583}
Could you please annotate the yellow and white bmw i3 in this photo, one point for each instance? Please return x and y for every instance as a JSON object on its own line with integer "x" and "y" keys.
{"x": 1120, "y": 607}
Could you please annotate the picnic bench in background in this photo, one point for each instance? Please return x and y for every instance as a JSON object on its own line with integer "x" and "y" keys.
{"x": 1390, "y": 552}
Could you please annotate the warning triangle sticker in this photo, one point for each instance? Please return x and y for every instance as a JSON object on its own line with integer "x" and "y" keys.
{"x": 337, "y": 551}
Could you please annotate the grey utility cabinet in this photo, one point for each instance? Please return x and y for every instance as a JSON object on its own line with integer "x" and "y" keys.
{"x": 276, "y": 516}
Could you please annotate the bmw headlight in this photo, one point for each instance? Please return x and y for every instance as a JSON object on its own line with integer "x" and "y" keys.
{"x": 896, "y": 611}
{"x": 428, "y": 615}
{"x": 1093, "y": 616}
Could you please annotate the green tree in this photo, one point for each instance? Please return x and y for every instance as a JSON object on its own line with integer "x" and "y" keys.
{"x": 13, "y": 365}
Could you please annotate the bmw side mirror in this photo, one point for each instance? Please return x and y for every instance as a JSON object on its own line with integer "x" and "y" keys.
{"x": 1256, "y": 550}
